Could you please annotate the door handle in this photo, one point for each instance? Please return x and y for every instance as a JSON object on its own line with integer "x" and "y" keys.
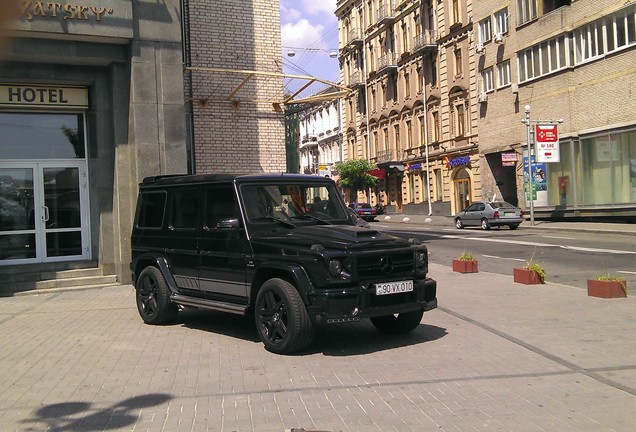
{"x": 46, "y": 213}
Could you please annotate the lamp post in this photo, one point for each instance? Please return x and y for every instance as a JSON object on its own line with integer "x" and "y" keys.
{"x": 527, "y": 122}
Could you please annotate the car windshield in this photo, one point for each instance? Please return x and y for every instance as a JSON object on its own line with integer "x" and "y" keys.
{"x": 292, "y": 203}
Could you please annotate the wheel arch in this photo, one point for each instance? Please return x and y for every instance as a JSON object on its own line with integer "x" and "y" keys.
{"x": 294, "y": 274}
{"x": 155, "y": 260}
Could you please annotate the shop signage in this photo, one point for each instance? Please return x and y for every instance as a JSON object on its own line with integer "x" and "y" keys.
{"x": 414, "y": 166}
{"x": 547, "y": 140}
{"x": 31, "y": 9}
{"x": 12, "y": 95}
{"x": 509, "y": 159}
{"x": 458, "y": 161}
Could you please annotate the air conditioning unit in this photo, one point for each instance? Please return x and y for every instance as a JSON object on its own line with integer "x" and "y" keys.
{"x": 479, "y": 48}
{"x": 482, "y": 97}
{"x": 498, "y": 38}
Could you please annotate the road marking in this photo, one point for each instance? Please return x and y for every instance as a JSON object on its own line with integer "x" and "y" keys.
{"x": 504, "y": 258}
{"x": 559, "y": 237}
{"x": 626, "y": 272}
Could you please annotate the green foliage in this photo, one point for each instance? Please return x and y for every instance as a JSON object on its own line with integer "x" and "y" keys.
{"x": 354, "y": 175}
{"x": 530, "y": 265}
{"x": 466, "y": 256}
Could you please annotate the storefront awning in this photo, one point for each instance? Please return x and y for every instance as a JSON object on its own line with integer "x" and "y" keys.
{"x": 378, "y": 173}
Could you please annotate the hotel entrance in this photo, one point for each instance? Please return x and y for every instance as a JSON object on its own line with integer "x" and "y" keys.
{"x": 44, "y": 214}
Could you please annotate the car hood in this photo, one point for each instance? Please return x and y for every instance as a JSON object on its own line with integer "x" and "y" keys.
{"x": 330, "y": 236}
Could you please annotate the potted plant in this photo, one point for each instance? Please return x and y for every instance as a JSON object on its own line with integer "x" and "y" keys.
{"x": 465, "y": 263}
{"x": 531, "y": 273}
{"x": 607, "y": 286}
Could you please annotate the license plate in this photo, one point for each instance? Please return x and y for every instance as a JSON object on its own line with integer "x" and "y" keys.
{"x": 393, "y": 287}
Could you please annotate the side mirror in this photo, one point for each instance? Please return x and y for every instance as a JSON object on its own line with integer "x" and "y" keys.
{"x": 229, "y": 223}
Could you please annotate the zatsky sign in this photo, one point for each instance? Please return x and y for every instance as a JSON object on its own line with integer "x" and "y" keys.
{"x": 547, "y": 139}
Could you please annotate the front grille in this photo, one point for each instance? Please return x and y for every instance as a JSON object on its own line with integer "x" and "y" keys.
{"x": 341, "y": 305}
{"x": 384, "y": 264}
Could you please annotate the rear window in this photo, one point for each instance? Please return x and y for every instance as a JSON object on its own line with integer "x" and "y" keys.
{"x": 152, "y": 207}
{"x": 364, "y": 205}
{"x": 501, "y": 204}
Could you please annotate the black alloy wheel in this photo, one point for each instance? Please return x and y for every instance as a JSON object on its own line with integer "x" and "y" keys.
{"x": 153, "y": 297}
{"x": 484, "y": 224}
{"x": 282, "y": 321}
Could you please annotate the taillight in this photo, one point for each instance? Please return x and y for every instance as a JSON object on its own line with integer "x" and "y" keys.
{"x": 496, "y": 215}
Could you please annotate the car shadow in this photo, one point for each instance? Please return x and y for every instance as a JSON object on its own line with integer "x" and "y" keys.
{"x": 331, "y": 340}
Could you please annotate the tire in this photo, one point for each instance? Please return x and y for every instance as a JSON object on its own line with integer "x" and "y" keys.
{"x": 484, "y": 224}
{"x": 459, "y": 224}
{"x": 513, "y": 226}
{"x": 153, "y": 297}
{"x": 282, "y": 321}
{"x": 398, "y": 324}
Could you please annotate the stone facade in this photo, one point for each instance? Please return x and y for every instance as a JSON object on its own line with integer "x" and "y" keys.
{"x": 413, "y": 111}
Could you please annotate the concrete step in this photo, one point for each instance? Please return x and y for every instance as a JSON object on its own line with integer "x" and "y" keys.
{"x": 34, "y": 276}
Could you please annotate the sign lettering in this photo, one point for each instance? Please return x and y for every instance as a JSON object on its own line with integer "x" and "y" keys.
{"x": 43, "y": 96}
{"x": 31, "y": 9}
{"x": 458, "y": 161}
{"x": 547, "y": 139}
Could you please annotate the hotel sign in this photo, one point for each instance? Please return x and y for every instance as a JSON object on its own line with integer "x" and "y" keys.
{"x": 41, "y": 96}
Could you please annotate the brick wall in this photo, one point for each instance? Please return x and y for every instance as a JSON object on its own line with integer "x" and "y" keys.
{"x": 244, "y": 134}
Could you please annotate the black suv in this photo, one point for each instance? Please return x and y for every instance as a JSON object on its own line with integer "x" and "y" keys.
{"x": 281, "y": 247}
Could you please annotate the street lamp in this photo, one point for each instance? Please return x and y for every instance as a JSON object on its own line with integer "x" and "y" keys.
{"x": 527, "y": 122}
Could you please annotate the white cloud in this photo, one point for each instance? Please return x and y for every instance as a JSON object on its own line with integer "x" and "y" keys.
{"x": 289, "y": 14}
{"x": 301, "y": 34}
{"x": 314, "y": 7}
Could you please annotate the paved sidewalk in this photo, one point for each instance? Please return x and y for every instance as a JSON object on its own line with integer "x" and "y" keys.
{"x": 494, "y": 356}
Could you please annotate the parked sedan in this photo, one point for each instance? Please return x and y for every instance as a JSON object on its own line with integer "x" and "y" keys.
{"x": 488, "y": 214}
{"x": 364, "y": 210}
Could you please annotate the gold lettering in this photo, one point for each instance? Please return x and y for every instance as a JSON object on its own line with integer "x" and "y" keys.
{"x": 81, "y": 12}
{"x": 25, "y": 8}
{"x": 98, "y": 12}
{"x": 38, "y": 9}
{"x": 54, "y": 7}
{"x": 70, "y": 12}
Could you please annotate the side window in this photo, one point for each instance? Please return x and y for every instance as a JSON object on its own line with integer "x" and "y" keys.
{"x": 220, "y": 203}
{"x": 152, "y": 207}
{"x": 184, "y": 206}
{"x": 481, "y": 207}
{"x": 472, "y": 207}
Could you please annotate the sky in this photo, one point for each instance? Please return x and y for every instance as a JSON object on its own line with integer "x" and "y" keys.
{"x": 310, "y": 29}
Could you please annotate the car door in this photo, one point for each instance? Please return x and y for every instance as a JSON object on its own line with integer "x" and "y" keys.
{"x": 222, "y": 246}
{"x": 470, "y": 216}
{"x": 181, "y": 235}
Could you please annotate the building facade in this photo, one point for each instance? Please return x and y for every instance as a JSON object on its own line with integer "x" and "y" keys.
{"x": 558, "y": 60}
{"x": 93, "y": 98}
{"x": 320, "y": 145}
{"x": 413, "y": 111}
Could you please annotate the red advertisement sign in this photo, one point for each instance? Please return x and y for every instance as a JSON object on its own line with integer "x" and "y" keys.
{"x": 547, "y": 143}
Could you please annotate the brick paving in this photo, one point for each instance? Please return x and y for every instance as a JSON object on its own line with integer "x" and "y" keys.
{"x": 495, "y": 356}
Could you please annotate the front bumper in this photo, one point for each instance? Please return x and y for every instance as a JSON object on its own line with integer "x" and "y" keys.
{"x": 352, "y": 304}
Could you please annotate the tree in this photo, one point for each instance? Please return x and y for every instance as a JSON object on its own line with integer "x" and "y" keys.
{"x": 354, "y": 175}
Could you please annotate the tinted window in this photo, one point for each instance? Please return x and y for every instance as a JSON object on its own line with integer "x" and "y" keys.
{"x": 151, "y": 209}
{"x": 185, "y": 203}
{"x": 220, "y": 204}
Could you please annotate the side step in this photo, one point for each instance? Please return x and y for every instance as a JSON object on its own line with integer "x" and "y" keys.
{"x": 209, "y": 304}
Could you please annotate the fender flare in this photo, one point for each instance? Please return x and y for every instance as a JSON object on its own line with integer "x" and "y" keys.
{"x": 161, "y": 263}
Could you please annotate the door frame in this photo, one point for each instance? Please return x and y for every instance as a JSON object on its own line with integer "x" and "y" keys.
{"x": 40, "y": 229}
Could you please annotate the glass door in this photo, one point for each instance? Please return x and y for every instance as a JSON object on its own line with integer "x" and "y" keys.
{"x": 47, "y": 212}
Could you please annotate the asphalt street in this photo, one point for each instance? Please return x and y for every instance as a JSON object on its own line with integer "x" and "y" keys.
{"x": 495, "y": 356}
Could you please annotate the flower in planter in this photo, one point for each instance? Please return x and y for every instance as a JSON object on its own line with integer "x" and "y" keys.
{"x": 607, "y": 286}
{"x": 465, "y": 263}
{"x": 466, "y": 256}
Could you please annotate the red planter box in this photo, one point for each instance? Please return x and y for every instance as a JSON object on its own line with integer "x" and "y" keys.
{"x": 606, "y": 289}
{"x": 525, "y": 276}
{"x": 461, "y": 266}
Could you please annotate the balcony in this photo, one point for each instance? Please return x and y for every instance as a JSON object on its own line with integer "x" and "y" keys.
{"x": 425, "y": 42}
{"x": 354, "y": 38}
{"x": 387, "y": 63}
{"x": 355, "y": 80}
{"x": 384, "y": 156}
{"x": 385, "y": 15}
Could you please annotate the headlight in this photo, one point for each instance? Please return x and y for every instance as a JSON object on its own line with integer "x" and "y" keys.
{"x": 420, "y": 258}
{"x": 335, "y": 267}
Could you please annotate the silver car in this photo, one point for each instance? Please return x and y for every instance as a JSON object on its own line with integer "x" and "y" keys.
{"x": 489, "y": 214}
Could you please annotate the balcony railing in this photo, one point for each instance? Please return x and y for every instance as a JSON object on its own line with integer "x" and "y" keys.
{"x": 387, "y": 62}
{"x": 385, "y": 15}
{"x": 425, "y": 41}
{"x": 355, "y": 80}
{"x": 383, "y": 156}
{"x": 354, "y": 38}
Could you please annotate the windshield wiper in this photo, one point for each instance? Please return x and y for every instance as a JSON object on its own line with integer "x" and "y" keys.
{"x": 276, "y": 219}
{"x": 310, "y": 216}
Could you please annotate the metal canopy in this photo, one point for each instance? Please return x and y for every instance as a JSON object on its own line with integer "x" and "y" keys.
{"x": 233, "y": 96}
